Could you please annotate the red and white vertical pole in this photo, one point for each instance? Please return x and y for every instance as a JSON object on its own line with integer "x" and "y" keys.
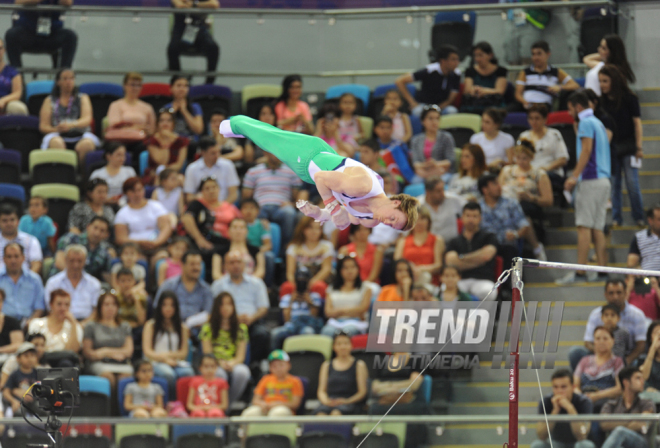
{"x": 516, "y": 278}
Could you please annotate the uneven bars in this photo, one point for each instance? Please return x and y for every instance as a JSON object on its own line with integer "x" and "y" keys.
{"x": 584, "y": 267}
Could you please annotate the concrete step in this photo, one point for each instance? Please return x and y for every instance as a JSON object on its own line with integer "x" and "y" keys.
{"x": 566, "y": 217}
{"x": 568, "y": 235}
{"x": 551, "y": 291}
{"x": 650, "y": 110}
{"x": 651, "y": 127}
{"x": 649, "y": 179}
{"x": 568, "y": 253}
{"x": 647, "y": 198}
{"x": 651, "y": 94}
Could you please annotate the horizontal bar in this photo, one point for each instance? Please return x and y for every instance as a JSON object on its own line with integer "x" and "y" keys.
{"x": 584, "y": 267}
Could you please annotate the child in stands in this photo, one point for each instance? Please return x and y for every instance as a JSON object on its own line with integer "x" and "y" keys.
{"x": 327, "y": 128}
{"x": 144, "y": 399}
{"x": 38, "y": 224}
{"x": 169, "y": 193}
{"x": 21, "y": 379}
{"x": 132, "y": 299}
{"x": 623, "y": 341}
{"x": 258, "y": 229}
{"x": 129, "y": 255}
{"x": 350, "y": 128}
{"x": 172, "y": 265}
{"x": 208, "y": 396}
{"x": 401, "y": 127}
{"x": 394, "y": 152}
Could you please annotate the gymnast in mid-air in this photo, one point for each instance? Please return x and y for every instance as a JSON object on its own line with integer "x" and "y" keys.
{"x": 351, "y": 192}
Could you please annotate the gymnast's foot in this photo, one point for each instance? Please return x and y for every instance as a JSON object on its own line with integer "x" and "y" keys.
{"x": 225, "y": 129}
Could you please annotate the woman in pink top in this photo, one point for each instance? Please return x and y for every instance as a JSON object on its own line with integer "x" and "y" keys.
{"x": 130, "y": 111}
{"x": 292, "y": 113}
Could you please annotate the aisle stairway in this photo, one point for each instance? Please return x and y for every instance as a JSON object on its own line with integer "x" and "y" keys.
{"x": 484, "y": 390}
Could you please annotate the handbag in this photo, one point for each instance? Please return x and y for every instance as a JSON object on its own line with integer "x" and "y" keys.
{"x": 625, "y": 148}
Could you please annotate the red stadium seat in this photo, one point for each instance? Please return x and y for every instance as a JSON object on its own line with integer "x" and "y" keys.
{"x": 561, "y": 117}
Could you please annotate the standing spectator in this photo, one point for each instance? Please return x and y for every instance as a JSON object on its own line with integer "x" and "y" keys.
{"x": 347, "y": 300}
{"x": 23, "y": 291}
{"x": 142, "y": 398}
{"x": 38, "y": 224}
{"x": 192, "y": 31}
{"x": 590, "y": 179}
{"x": 623, "y": 106}
{"x": 211, "y": 165}
{"x": 188, "y": 116}
{"x": 432, "y": 152}
{"x": 369, "y": 256}
{"x": 631, "y": 433}
{"x": 165, "y": 341}
{"x": 485, "y": 81}
{"x": 114, "y": 173}
{"x": 276, "y": 188}
{"x": 440, "y": 83}
{"x": 11, "y": 335}
{"x": 230, "y": 149}
{"x": 443, "y": 207}
{"x": 83, "y": 289}
{"x": 193, "y": 293}
{"x": 610, "y": 51}
{"x": 564, "y": 400}
{"x": 497, "y": 145}
{"x": 95, "y": 203}
{"x": 401, "y": 290}
{"x": 422, "y": 249}
{"x": 130, "y": 112}
{"x": 524, "y": 27}
{"x": 207, "y": 396}
{"x": 292, "y": 113}
{"x": 644, "y": 249}
{"x": 11, "y": 87}
{"x": 649, "y": 362}
{"x": 9, "y": 233}
{"x": 472, "y": 166}
{"x": 66, "y": 117}
{"x": 166, "y": 148}
{"x": 473, "y": 252}
{"x": 42, "y": 32}
{"x": 401, "y": 127}
{"x": 541, "y": 82}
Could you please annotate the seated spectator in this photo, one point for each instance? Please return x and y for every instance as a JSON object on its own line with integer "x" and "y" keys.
{"x": 451, "y": 277}
{"x": 473, "y": 252}
{"x": 207, "y": 395}
{"x": 21, "y": 379}
{"x": 629, "y": 433}
{"x": 99, "y": 251}
{"x": 253, "y": 302}
{"x": 432, "y": 152}
{"x": 165, "y": 340}
{"x": 506, "y": 219}
{"x": 226, "y": 338}
{"x": 472, "y": 166}
{"x": 107, "y": 342}
{"x": 278, "y": 394}
{"x": 369, "y": 257}
{"x": 389, "y": 383}
{"x": 421, "y": 292}
{"x": 22, "y": 289}
{"x": 132, "y": 299}
{"x": 11, "y": 87}
{"x": 38, "y": 224}
{"x": 370, "y": 157}
{"x": 327, "y": 129}
{"x": 649, "y": 362}
{"x": 211, "y": 165}
{"x": 644, "y": 251}
{"x": 84, "y": 290}
{"x": 9, "y": 233}
{"x": 350, "y": 127}
{"x": 254, "y": 154}
{"x": 131, "y": 113}
{"x": 644, "y": 293}
{"x": 255, "y": 262}
{"x": 188, "y": 116}
{"x": 66, "y": 117}
{"x": 258, "y": 228}
{"x": 394, "y": 152}
{"x": 276, "y": 188}
{"x": 114, "y": 173}
{"x": 173, "y": 265}
{"x": 35, "y": 31}
{"x": 596, "y": 375}
{"x": 440, "y": 83}
{"x": 301, "y": 311}
{"x": 142, "y": 398}
{"x": 551, "y": 154}
{"x": 485, "y": 81}
{"x": 342, "y": 380}
{"x": 193, "y": 293}
{"x": 401, "y": 290}
{"x": 142, "y": 221}
{"x": 309, "y": 248}
{"x": 95, "y": 203}
{"x": 540, "y": 83}
{"x": 11, "y": 364}
{"x": 61, "y": 329}
{"x": 230, "y": 149}
{"x": 11, "y": 335}
{"x": 623, "y": 341}
{"x": 292, "y": 113}
{"x": 564, "y": 400}
{"x": 632, "y": 319}
{"x": 401, "y": 127}
{"x": 443, "y": 207}
{"x": 497, "y": 145}
{"x": 422, "y": 249}
{"x": 169, "y": 193}
{"x": 129, "y": 254}
{"x": 166, "y": 148}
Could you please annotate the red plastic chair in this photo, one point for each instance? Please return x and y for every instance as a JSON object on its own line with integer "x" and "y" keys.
{"x": 182, "y": 387}
{"x": 155, "y": 88}
{"x": 359, "y": 341}
{"x": 459, "y": 97}
{"x": 561, "y": 117}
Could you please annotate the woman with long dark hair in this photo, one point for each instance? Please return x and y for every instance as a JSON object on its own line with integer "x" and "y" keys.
{"x": 227, "y": 339}
{"x": 166, "y": 148}
{"x": 485, "y": 81}
{"x": 472, "y": 165}
{"x": 115, "y": 172}
{"x": 626, "y": 147}
{"x": 292, "y": 113}
{"x": 188, "y": 116}
{"x": 401, "y": 290}
{"x": 610, "y": 51}
{"x": 165, "y": 341}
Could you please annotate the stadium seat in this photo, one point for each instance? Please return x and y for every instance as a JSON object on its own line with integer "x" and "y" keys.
{"x": 321, "y": 440}
{"x": 93, "y": 404}
{"x": 517, "y": 119}
{"x": 24, "y": 440}
{"x": 35, "y": 93}
{"x": 61, "y": 199}
{"x": 561, "y": 117}
{"x": 14, "y": 194}
{"x": 179, "y": 431}
{"x": 126, "y": 381}
{"x": 514, "y": 130}
{"x": 156, "y": 93}
{"x": 10, "y": 166}
{"x": 253, "y": 96}
{"x": 101, "y": 95}
{"x": 359, "y": 341}
{"x": 453, "y": 28}
{"x": 368, "y": 358}
{"x": 271, "y": 435}
{"x": 86, "y": 441}
{"x": 307, "y": 364}
{"x": 596, "y": 23}
{"x": 398, "y": 430}
{"x": 345, "y": 430}
{"x": 414, "y": 189}
{"x": 182, "y": 386}
{"x": 144, "y": 161}
{"x": 143, "y": 441}
{"x": 123, "y": 430}
{"x": 310, "y": 342}
{"x": 469, "y": 121}
{"x": 367, "y": 124}
{"x": 199, "y": 440}
{"x": 416, "y": 125}
{"x": 361, "y": 92}
{"x": 568, "y": 134}
{"x": 209, "y": 97}
{"x": 384, "y": 440}
{"x": 54, "y": 166}
{"x": 381, "y": 90}
{"x": 21, "y": 134}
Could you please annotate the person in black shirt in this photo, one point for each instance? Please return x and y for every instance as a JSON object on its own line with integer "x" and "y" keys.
{"x": 440, "y": 83}
{"x": 473, "y": 252}
{"x": 485, "y": 81}
{"x": 21, "y": 379}
{"x": 40, "y": 31}
{"x": 191, "y": 31}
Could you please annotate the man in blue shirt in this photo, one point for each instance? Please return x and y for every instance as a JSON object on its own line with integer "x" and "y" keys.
{"x": 590, "y": 183}
{"x": 40, "y": 31}
{"x": 23, "y": 288}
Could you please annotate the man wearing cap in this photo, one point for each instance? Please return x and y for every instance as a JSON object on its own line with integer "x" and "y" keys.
{"x": 278, "y": 394}
{"x": 21, "y": 380}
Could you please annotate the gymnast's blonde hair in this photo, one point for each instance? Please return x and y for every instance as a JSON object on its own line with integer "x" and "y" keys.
{"x": 408, "y": 206}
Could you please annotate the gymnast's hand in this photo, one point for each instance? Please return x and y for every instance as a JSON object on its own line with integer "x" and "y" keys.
{"x": 340, "y": 219}
{"x": 313, "y": 211}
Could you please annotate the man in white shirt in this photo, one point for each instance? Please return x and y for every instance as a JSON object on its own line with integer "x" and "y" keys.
{"x": 9, "y": 233}
{"x": 444, "y": 208}
{"x": 83, "y": 288}
{"x": 211, "y": 165}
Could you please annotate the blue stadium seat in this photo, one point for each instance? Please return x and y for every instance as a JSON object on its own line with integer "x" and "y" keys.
{"x": 183, "y": 430}
{"x": 360, "y": 91}
{"x": 22, "y": 134}
{"x": 383, "y": 89}
{"x": 102, "y": 88}
{"x": 12, "y": 191}
{"x": 38, "y": 88}
{"x": 454, "y": 28}
{"x": 10, "y": 166}
{"x": 416, "y": 125}
{"x": 144, "y": 161}
{"x": 414, "y": 189}
{"x": 90, "y": 383}
{"x": 516, "y": 119}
